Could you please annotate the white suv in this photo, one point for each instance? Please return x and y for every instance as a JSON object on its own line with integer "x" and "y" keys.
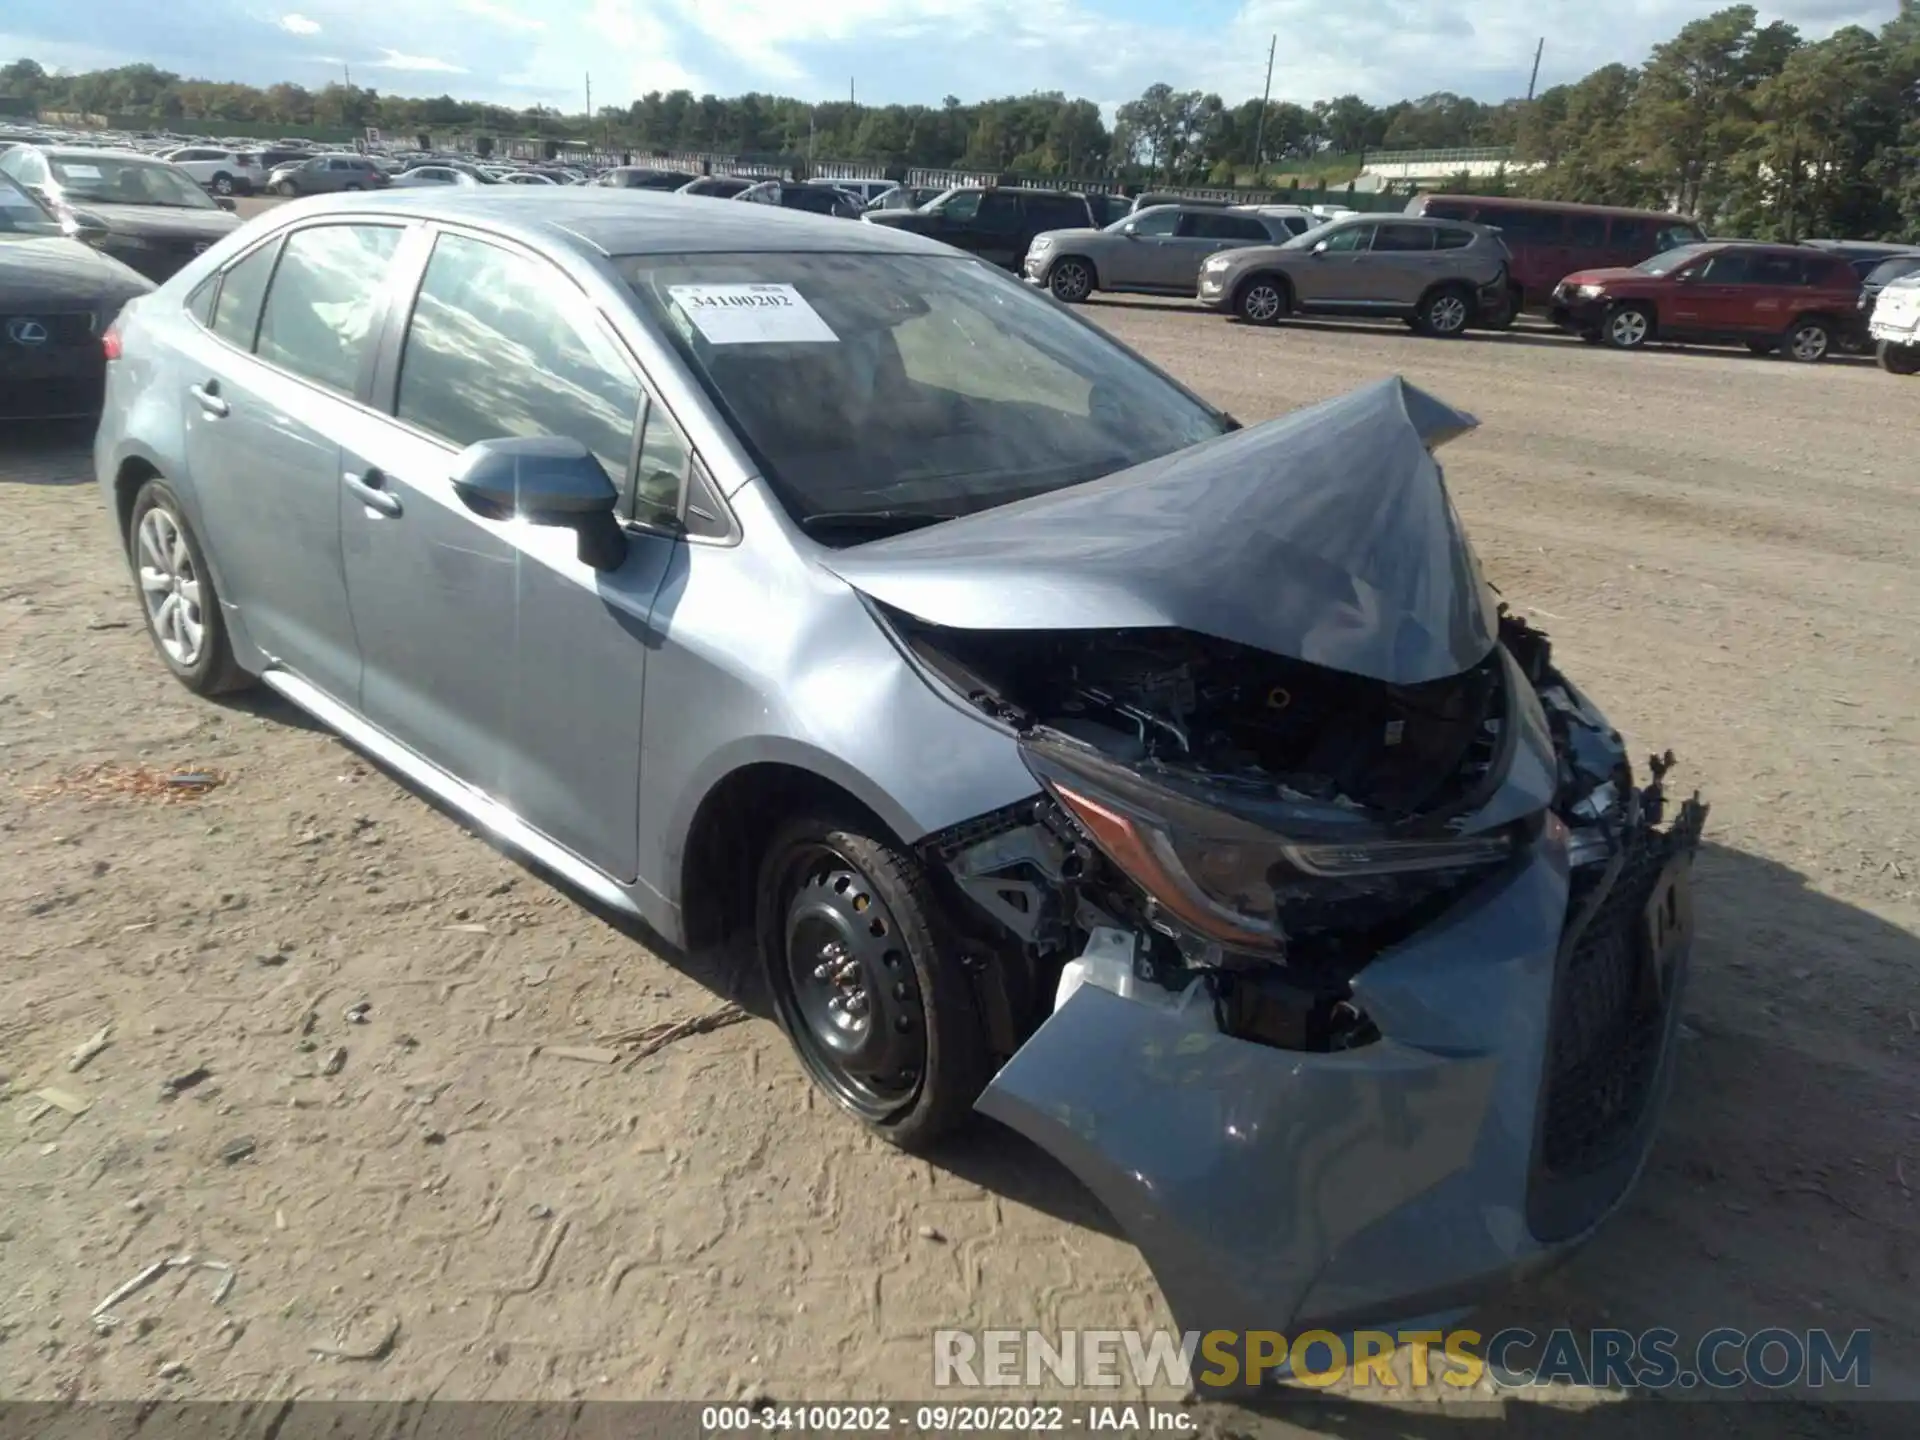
{"x": 1895, "y": 326}
{"x": 224, "y": 172}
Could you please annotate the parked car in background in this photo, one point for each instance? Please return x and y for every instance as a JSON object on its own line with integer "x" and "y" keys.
{"x": 1864, "y": 255}
{"x": 1883, "y": 275}
{"x": 640, "y": 177}
{"x": 1297, "y": 218}
{"x": 429, "y": 175}
{"x": 1895, "y": 325}
{"x": 865, "y": 191}
{"x": 58, "y": 297}
{"x": 224, "y": 172}
{"x": 138, "y": 209}
{"x": 996, "y": 223}
{"x": 1151, "y": 252}
{"x": 529, "y": 177}
{"x": 328, "y": 174}
{"x": 717, "y": 187}
{"x": 1799, "y": 301}
{"x": 815, "y": 199}
{"x": 1442, "y": 277}
{"x": 1549, "y": 240}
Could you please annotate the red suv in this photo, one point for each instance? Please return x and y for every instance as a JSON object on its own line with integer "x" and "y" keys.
{"x": 1790, "y": 298}
{"x": 1550, "y": 239}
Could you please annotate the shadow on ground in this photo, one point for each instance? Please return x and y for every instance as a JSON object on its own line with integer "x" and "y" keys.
{"x": 47, "y": 452}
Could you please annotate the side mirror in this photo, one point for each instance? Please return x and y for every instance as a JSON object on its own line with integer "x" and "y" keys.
{"x": 83, "y": 226}
{"x": 1685, "y": 277}
{"x": 547, "y": 480}
{"x": 225, "y": 202}
{"x": 1130, "y": 228}
{"x": 1320, "y": 248}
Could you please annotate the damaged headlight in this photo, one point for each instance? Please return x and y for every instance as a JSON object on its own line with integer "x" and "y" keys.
{"x": 1237, "y": 883}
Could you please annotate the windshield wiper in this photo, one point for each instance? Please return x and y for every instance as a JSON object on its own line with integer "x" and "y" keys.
{"x": 886, "y": 522}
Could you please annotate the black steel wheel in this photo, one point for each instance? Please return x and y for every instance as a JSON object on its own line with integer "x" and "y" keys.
{"x": 864, "y": 981}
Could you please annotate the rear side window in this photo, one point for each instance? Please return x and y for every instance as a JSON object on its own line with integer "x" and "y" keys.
{"x": 494, "y": 349}
{"x": 1451, "y": 237}
{"x": 999, "y": 212}
{"x": 1403, "y": 237}
{"x": 1634, "y": 235}
{"x": 1529, "y": 227}
{"x": 1587, "y": 230}
{"x": 200, "y": 302}
{"x": 1211, "y": 225}
{"x": 1058, "y": 212}
{"x": 321, "y": 307}
{"x": 236, "y": 315}
{"x": 1671, "y": 237}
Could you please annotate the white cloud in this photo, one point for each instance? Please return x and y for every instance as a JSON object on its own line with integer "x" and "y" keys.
{"x": 418, "y": 64}
{"x": 501, "y": 15}
{"x": 299, "y": 25}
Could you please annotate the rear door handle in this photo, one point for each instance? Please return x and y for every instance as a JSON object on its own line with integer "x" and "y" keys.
{"x": 209, "y": 397}
{"x": 370, "y": 488}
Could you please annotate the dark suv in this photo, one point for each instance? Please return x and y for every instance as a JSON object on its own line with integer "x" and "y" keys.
{"x": 997, "y": 224}
{"x": 1799, "y": 301}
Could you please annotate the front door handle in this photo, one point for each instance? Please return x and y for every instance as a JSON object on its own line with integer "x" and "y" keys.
{"x": 209, "y": 397}
{"x": 370, "y": 488}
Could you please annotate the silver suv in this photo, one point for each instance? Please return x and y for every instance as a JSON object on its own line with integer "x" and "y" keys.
{"x": 1441, "y": 276}
{"x": 1157, "y": 251}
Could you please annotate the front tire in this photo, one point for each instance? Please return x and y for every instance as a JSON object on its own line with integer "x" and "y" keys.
{"x": 223, "y": 184}
{"x": 1261, "y": 301}
{"x": 183, "y": 614}
{"x": 1445, "y": 313}
{"x": 1070, "y": 280}
{"x": 1899, "y": 359}
{"x": 866, "y": 981}
{"x": 1627, "y": 327}
{"x": 1807, "y": 341}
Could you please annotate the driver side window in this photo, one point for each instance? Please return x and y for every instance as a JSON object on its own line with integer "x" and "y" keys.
{"x": 1156, "y": 223}
{"x": 962, "y": 207}
{"x": 1352, "y": 237}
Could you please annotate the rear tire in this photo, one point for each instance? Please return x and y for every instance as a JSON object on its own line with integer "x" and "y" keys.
{"x": 1503, "y": 315}
{"x": 1445, "y": 313}
{"x": 866, "y": 980}
{"x": 223, "y": 184}
{"x": 182, "y": 609}
{"x": 1261, "y": 300}
{"x": 1808, "y": 341}
{"x": 1070, "y": 280}
{"x": 1899, "y": 359}
{"x": 1627, "y": 327}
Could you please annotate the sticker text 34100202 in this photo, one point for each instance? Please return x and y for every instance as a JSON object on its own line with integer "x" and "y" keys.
{"x": 751, "y": 314}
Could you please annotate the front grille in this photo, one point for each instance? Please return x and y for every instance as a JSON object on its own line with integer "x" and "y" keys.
{"x": 1610, "y": 1022}
{"x": 60, "y": 331}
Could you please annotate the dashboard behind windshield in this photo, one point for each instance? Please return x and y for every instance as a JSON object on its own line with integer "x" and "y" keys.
{"x": 912, "y": 385}
{"x": 108, "y": 180}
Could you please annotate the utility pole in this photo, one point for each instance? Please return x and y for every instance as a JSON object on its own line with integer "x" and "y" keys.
{"x": 1260, "y": 125}
{"x": 346, "y": 72}
{"x": 1534, "y": 79}
{"x": 589, "y": 97}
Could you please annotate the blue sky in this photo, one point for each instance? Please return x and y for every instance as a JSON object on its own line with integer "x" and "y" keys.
{"x": 525, "y": 52}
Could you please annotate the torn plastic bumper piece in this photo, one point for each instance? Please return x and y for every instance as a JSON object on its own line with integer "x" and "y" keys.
{"x": 1271, "y": 1189}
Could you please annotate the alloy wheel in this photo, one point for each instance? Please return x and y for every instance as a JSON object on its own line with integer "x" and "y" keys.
{"x": 1447, "y": 315}
{"x": 1809, "y": 343}
{"x": 1071, "y": 281}
{"x": 170, "y": 586}
{"x": 1627, "y": 328}
{"x": 1262, "y": 303}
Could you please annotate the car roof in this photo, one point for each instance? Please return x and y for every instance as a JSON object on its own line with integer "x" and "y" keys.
{"x": 629, "y": 222}
{"x": 1573, "y": 207}
{"x": 104, "y": 152}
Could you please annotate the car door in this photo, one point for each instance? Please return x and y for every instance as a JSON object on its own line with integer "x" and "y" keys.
{"x": 488, "y": 646}
{"x": 1711, "y": 296}
{"x": 1327, "y": 275}
{"x": 996, "y": 229}
{"x": 1198, "y": 234}
{"x": 1399, "y": 265}
{"x": 1138, "y": 258}
{"x": 275, "y": 381}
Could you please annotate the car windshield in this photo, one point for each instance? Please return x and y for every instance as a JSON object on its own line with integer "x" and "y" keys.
{"x": 1889, "y": 270}
{"x": 113, "y": 180}
{"x": 882, "y": 391}
{"x": 1668, "y": 261}
{"x": 21, "y": 214}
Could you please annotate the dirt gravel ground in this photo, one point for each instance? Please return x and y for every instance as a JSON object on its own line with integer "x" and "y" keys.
{"x": 1723, "y": 550}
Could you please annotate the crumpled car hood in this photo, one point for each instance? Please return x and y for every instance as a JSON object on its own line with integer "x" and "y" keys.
{"x": 1326, "y": 535}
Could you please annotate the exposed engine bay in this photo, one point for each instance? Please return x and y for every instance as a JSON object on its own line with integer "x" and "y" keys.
{"x": 1176, "y": 855}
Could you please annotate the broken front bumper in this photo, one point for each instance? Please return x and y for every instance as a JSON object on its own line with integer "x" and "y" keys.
{"x": 1505, "y": 1110}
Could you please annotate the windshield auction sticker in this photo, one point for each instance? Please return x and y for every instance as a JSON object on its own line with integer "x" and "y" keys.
{"x": 751, "y": 314}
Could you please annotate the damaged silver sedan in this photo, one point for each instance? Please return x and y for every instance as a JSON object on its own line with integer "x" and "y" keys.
{"x": 1174, "y": 792}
